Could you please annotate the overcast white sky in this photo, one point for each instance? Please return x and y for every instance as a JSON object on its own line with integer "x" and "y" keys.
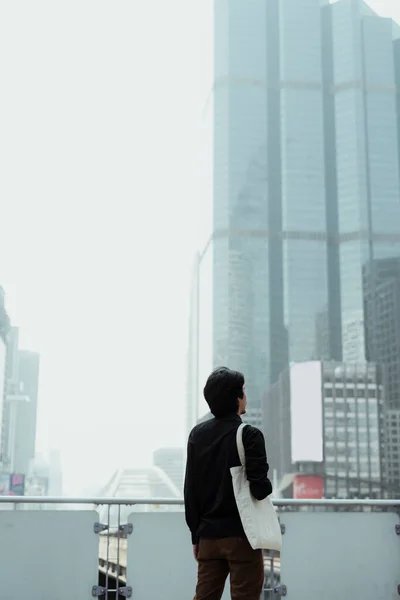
{"x": 387, "y": 8}
{"x": 101, "y": 186}
{"x": 105, "y": 195}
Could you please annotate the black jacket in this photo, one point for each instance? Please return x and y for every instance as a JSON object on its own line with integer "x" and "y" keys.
{"x": 210, "y": 506}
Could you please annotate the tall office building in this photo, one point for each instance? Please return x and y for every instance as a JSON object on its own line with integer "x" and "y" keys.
{"x": 306, "y": 180}
{"x": 28, "y": 374}
{"x": 270, "y": 282}
{"x": 15, "y": 401}
{"x": 381, "y": 287}
{"x": 241, "y": 323}
{"x": 367, "y": 156}
{"x": 366, "y": 62}
{"x": 396, "y": 46}
{"x": 19, "y": 379}
{"x": 270, "y": 252}
{"x": 4, "y": 318}
{"x": 4, "y": 329}
{"x": 392, "y": 451}
{"x": 381, "y": 283}
{"x": 303, "y": 175}
{"x": 329, "y": 327}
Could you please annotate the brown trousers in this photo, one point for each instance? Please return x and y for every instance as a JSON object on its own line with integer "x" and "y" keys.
{"x": 230, "y": 556}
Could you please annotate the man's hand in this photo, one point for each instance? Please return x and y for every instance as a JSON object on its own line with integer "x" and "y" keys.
{"x": 195, "y": 551}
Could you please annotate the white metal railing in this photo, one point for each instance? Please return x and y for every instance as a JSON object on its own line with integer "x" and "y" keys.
{"x": 279, "y": 502}
{"x": 328, "y": 549}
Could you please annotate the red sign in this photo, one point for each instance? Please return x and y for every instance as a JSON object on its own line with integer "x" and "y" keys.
{"x": 308, "y": 487}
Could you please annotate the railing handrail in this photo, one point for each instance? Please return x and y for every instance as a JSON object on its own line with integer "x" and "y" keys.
{"x": 179, "y": 501}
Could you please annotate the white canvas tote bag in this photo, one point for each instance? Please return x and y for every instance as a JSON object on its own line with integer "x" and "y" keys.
{"x": 259, "y": 518}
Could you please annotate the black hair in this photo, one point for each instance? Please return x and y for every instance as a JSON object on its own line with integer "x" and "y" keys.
{"x": 222, "y": 390}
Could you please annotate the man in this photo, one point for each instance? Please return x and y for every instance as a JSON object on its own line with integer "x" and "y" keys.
{"x": 219, "y": 543}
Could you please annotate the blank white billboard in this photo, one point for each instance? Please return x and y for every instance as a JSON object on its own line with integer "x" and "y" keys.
{"x": 306, "y": 412}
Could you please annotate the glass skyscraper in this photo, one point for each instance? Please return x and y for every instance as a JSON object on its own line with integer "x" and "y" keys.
{"x": 303, "y": 176}
{"x": 306, "y": 180}
{"x": 367, "y": 156}
{"x": 241, "y": 258}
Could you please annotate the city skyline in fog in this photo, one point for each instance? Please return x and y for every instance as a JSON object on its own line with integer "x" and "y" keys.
{"x": 106, "y": 195}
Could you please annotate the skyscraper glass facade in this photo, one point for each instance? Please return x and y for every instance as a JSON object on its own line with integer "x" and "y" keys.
{"x": 241, "y": 264}
{"x": 303, "y": 175}
{"x": 306, "y": 179}
{"x": 367, "y": 156}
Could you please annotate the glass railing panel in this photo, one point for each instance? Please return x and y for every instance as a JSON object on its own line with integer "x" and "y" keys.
{"x": 336, "y": 555}
{"x": 160, "y": 561}
{"x": 48, "y": 555}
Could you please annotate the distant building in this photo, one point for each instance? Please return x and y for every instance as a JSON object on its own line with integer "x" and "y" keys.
{"x": 12, "y": 355}
{"x": 28, "y": 376}
{"x": 55, "y": 473}
{"x": 366, "y": 148}
{"x": 37, "y": 482}
{"x": 139, "y": 483}
{"x": 45, "y": 479}
{"x": 4, "y": 318}
{"x": 325, "y": 419}
{"x": 20, "y": 407}
{"x": 381, "y": 287}
{"x": 19, "y": 381}
{"x": 2, "y": 394}
{"x": 4, "y": 329}
{"x": 392, "y": 451}
{"x": 14, "y": 403}
{"x": 171, "y": 461}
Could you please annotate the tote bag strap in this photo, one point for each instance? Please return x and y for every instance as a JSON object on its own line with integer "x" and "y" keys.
{"x": 239, "y": 444}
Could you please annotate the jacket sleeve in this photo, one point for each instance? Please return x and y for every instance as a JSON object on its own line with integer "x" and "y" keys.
{"x": 256, "y": 463}
{"x": 191, "y": 508}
